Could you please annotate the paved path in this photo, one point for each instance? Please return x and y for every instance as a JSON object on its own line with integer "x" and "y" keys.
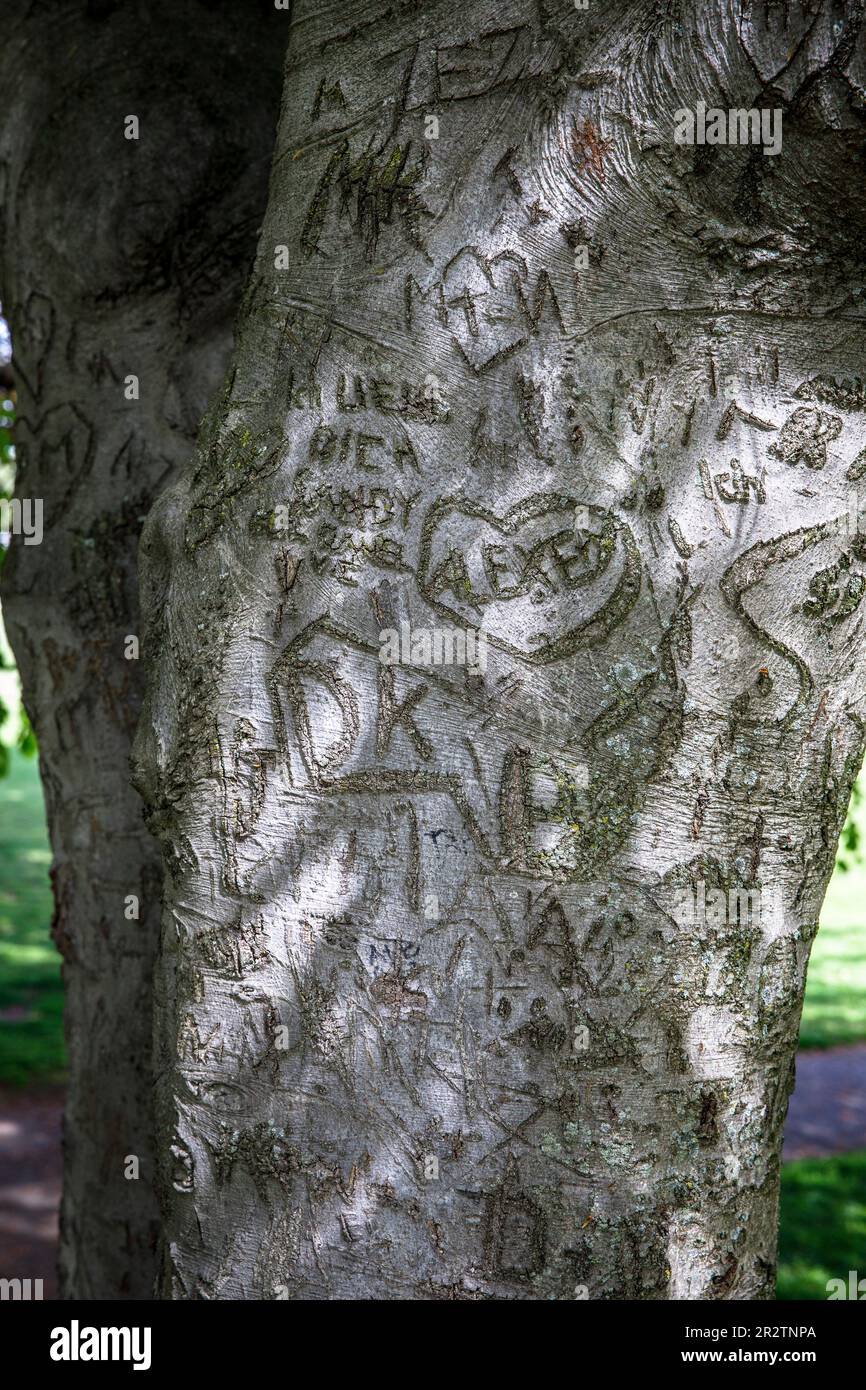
{"x": 827, "y": 1115}
{"x": 30, "y": 1184}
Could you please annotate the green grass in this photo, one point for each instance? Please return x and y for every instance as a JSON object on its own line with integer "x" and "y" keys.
{"x": 823, "y": 1224}
{"x": 31, "y": 994}
{"x": 834, "y": 1010}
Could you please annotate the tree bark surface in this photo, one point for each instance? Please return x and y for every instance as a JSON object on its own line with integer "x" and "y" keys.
{"x": 434, "y": 1021}
{"x": 119, "y": 256}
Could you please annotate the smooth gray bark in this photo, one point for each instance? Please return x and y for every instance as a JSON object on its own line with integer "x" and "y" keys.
{"x": 118, "y": 257}
{"x": 432, "y": 1021}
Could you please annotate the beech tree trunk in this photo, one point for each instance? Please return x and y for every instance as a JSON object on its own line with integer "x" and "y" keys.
{"x": 120, "y": 258}
{"x": 485, "y": 983}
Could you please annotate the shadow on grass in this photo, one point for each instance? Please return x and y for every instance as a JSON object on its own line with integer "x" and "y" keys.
{"x": 823, "y": 1225}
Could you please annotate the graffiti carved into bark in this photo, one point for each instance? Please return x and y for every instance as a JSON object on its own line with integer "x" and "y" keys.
{"x": 482, "y": 979}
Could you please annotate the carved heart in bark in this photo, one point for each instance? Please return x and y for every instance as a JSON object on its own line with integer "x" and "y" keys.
{"x": 545, "y": 579}
{"x": 485, "y": 306}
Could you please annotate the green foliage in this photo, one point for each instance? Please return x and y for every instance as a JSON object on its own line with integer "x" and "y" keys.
{"x": 26, "y": 742}
{"x": 7, "y": 445}
{"x": 16, "y": 731}
{"x": 7, "y": 455}
{"x": 4, "y": 750}
{"x": 851, "y": 839}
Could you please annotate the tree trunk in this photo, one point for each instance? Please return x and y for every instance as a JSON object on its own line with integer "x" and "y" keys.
{"x": 483, "y": 980}
{"x": 123, "y": 263}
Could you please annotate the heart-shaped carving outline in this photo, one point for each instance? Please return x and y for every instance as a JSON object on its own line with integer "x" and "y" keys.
{"x": 590, "y": 633}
